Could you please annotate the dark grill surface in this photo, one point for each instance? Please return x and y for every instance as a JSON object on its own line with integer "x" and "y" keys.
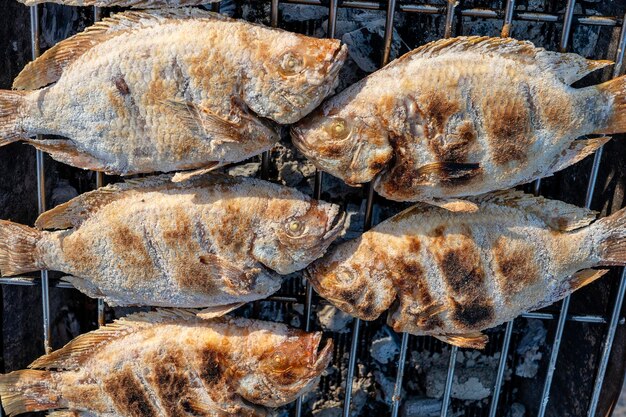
{"x": 580, "y": 334}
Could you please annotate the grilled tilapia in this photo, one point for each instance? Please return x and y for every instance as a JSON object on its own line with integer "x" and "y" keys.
{"x": 171, "y": 363}
{"x": 462, "y": 117}
{"x": 167, "y": 90}
{"x": 211, "y": 241}
{"x": 136, "y": 4}
{"x": 452, "y": 275}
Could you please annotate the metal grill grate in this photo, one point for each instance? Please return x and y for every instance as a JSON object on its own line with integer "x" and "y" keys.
{"x": 452, "y": 14}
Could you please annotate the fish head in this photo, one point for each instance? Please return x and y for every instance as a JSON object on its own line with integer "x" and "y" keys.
{"x": 354, "y": 278}
{"x": 345, "y": 141}
{"x": 287, "y": 369}
{"x": 295, "y": 232}
{"x": 293, "y": 74}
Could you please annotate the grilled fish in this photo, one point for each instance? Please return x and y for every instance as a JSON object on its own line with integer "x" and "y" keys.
{"x": 136, "y": 4}
{"x": 462, "y": 117}
{"x": 453, "y": 274}
{"x": 211, "y": 241}
{"x": 168, "y": 363}
{"x": 167, "y": 90}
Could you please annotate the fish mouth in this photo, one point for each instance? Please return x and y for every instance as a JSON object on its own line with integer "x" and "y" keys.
{"x": 336, "y": 226}
{"x": 337, "y": 61}
{"x": 320, "y": 359}
{"x": 297, "y": 138}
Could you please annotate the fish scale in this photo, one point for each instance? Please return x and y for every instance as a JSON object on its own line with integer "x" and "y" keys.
{"x": 211, "y": 241}
{"x": 171, "y": 363}
{"x": 462, "y": 117}
{"x": 453, "y": 274}
{"x": 168, "y": 90}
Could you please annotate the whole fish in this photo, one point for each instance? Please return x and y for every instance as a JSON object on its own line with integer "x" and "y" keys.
{"x": 136, "y": 4}
{"x": 171, "y": 363}
{"x": 461, "y": 117}
{"x": 452, "y": 274}
{"x": 167, "y": 90}
{"x": 211, "y": 241}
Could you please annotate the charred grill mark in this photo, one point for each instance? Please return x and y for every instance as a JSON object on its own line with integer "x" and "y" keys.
{"x": 416, "y": 301}
{"x": 462, "y": 271}
{"x": 351, "y": 296}
{"x": 475, "y": 315}
{"x": 456, "y": 146}
{"x": 508, "y": 124}
{"x": 516, "y": 267}
{"x": 211, "y": 370}
{"x": 180, "y": 231}
{"x": 194, "y": 275}
{"x": 437, "y": 109}
{"x": 128, "y": 394}
{"x": 130, "y": 248}
{"x": 368, "y": 309}
{"x": 120, "y": 84}
{"x": 78, "y": 254}
{"x": 414, "y": 245}
{"x": 171, "y": 383}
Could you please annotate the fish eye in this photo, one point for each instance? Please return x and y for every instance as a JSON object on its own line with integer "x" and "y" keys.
{"x": 290, "y": 64}
{"x": 279, "y": 362}
{"x": 294, "y": 228}
{"x": 339, "y": 129}
{"x": 345, "y": 277}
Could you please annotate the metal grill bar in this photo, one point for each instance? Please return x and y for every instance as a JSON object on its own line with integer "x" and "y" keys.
{"x": 397, "y": 389}
{"x": 447, "y": 392}
{"x": 556, "y": 344}
{"x": 35, "y": 32}
{"x": 506, "y": 343}
{"x": 436, "y": 9}
{"x": 453, "y": 352}
{"x": 619, "y": 298}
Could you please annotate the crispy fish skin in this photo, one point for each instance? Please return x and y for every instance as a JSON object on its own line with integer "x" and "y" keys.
{"x": 172, "y": 363}
{"x": 462, "y": 117}
{"x": 136, "y": 4}
{"x": 168, "y": 90}
{"x": 451, "y": 274}
{"x": 212, "y": 241}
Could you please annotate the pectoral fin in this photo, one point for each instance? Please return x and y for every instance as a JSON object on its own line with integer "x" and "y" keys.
{"x": 448, "y": 171}
{"x": 217, "y": 311}
{"x": 205, "y": 123}
{"x": 455, "y": 205}
{"x": 236, "y": 280}
{"x": 184, "y": 176}
{"x": 475, "y": 340}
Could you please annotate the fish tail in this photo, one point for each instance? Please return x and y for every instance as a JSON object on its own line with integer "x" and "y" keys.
{"x": 11, "y": 105}
{"x": 18, "y": 248}
{"x": 27, "y": 390}
{"x": 612, "y": 244}
{"x": 616, "y": 90}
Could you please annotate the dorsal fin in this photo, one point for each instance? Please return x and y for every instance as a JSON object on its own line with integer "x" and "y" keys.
{"x": 48, "y": 68}
{"x": 555, "y": 214}
{"x": 566, "y": 66}
{"x": 75, "y": 353}
{"x": 80, "y": 208}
